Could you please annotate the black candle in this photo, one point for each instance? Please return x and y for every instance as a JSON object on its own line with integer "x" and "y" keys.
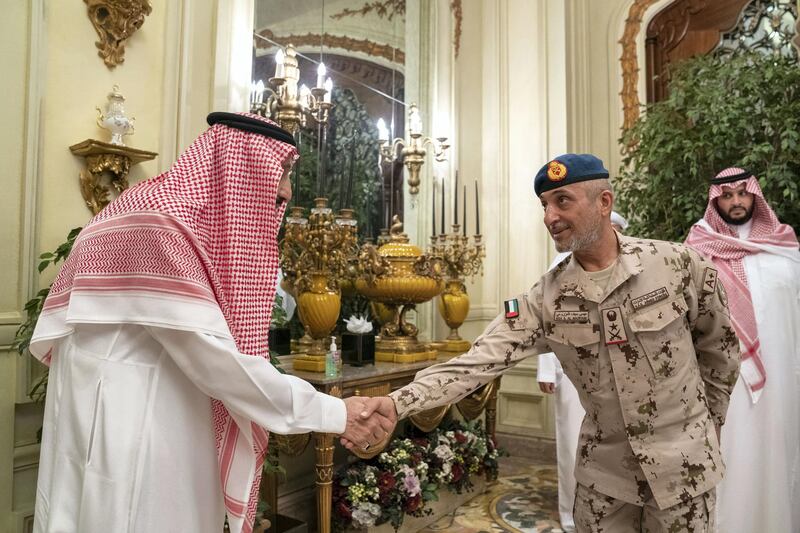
{"x": 443, "y": 204}
{"x": 465, "y": 210}
{"x": 477, "y": 211}
{"x": 455, "y": 203}
{"x": 433, "y": 205}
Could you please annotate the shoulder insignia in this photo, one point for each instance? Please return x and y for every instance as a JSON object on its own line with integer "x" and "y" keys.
{"x": 709, "y": 280}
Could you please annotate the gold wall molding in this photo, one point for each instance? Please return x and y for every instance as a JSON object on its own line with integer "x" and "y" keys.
{"x": 630, "y": 61}
{"x": 458, "y": 14}
{"x": 364, "y": 46}
{"x": 382, "y": 8}
{"x": 115, "y": 21}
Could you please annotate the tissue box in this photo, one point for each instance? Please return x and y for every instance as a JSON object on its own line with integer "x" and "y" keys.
{"x": 280, "y": 340}
{"x": 358, "y": 349}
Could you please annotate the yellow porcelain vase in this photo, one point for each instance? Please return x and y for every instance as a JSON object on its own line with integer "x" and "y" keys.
{"x": 319, "y": 308}
{"x": 453, "y": 305}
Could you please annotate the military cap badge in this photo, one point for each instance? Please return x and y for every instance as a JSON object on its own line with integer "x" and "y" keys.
{"x": 556, "y": 171}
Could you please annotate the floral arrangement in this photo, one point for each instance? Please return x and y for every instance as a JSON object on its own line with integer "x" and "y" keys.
{"x": 409, "y": 473}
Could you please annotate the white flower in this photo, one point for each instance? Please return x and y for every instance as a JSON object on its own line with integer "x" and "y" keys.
{"x": 365, "y": 514}
{"x": 444, "y": 452}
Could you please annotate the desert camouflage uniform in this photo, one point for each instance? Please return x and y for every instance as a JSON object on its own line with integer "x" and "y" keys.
{"x": 653, "y": 356}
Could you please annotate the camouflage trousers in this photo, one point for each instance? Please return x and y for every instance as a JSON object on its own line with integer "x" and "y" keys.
{"x": 598, "y": 513}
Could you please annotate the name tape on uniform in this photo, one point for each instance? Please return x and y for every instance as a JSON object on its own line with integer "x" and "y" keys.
{"x": 571, "y": 317}
{"x": 612, "y": 326}
{"x": 512, "y": 308}
{"x": 709, "y": 280}
{"x": 650, "y": 298}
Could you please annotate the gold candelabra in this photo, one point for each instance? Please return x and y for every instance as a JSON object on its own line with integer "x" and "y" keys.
{"x": 399, "y": 275}
{"x": 286, "y": 103}
{"x": 316, "y": 254}
{"x": 461, "y": 259}
{"x": 412, "y": 148}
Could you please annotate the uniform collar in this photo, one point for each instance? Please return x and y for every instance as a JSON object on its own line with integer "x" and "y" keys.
{"x": 575, "y": 282}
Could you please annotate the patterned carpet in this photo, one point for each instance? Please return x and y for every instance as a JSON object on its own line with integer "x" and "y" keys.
{"x": 524, "y": 499}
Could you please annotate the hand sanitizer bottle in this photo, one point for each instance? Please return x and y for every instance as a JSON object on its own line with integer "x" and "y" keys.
{"x": 330, "y": 361}
{"x": 337, "y": 357}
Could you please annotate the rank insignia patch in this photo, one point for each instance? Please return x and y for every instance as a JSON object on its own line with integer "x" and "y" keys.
{"x": 709, "y": 280}
{"x": 571, "y": 317}
{"x": 512, "y": 308}
{"x": 612, "y": 326}
{"x": 650, "y": 298}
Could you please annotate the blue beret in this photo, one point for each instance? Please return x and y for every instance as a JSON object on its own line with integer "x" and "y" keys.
{"x": 568, "y": 169}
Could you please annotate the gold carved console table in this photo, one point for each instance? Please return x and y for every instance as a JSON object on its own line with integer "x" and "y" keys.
{"x": 372, "y": 380}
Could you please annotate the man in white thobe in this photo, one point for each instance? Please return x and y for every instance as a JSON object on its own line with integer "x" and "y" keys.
{"x": 568, "y": 412}
{"x": 759, "y": 265}
{"x": 156, "y": 333}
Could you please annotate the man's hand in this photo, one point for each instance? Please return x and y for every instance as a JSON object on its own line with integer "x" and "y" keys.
{"x": 547, "y": 387}
{"x": 369, "y": 420}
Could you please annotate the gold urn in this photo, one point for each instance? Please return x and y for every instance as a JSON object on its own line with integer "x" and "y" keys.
{"x": 398, "y": 275}
{"x": 453, "y": 305}
{"x": 319, "y": 308}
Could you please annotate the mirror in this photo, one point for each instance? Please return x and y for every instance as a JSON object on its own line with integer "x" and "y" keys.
{"x": 362, "y": 45}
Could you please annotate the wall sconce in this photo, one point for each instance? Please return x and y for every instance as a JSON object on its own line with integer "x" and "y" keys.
{"x": 413, "y": 147}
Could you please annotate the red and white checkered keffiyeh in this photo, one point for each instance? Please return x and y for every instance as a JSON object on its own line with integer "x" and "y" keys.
{"x": 719, "y": 241}
{"x": 202, "y": 237}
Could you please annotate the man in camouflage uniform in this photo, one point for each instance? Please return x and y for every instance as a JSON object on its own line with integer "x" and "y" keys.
{"x": 642, "y": 329}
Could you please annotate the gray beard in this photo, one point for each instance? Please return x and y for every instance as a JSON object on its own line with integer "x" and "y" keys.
{"x": 581, "y": 242}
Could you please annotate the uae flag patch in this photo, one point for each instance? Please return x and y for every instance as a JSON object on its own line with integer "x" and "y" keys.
{"x": 512, "y": 308}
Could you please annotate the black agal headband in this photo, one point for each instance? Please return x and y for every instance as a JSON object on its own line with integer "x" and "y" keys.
{"x": 252, "y": 125}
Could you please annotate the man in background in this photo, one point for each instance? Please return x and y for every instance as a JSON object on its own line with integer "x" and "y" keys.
{"x": 759, "y": 264}
{"x": 568, "y": 411}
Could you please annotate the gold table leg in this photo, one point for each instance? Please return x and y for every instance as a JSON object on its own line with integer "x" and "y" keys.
{"x": 324, "y": 449}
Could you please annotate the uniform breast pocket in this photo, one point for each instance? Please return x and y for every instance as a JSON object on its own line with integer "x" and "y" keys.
{"x": 663, "y": 333}
{"x": 577, "y": 346}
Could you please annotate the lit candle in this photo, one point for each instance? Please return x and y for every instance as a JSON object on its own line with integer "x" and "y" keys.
{"x": 260, "y": 88}
{"x": 279, "y": 57}
{"x": 433, "y": 204}
{"x": 321, "y": 73}
{"x": 328, "y": 91}
{"x": 383, "y": 131}
{"x": 305, "y": 95}
{"x": 465, "y": 210}
{"x": 477, "y": 211}
{"x": 414, "y": 121}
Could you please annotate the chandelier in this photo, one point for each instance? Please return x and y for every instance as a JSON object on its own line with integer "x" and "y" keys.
{"x": 287, "y": 104}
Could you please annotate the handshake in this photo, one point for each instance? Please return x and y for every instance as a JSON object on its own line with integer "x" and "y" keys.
{"x": 369, "y": 421}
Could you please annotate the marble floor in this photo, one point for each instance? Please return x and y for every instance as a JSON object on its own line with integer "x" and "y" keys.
{"x": 524, "y": 499}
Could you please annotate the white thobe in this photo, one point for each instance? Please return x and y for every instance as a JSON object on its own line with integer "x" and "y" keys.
{"x": 568, "y": 416}
{"x": 128, "y": 438}
{"x": 761, "y": 443}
